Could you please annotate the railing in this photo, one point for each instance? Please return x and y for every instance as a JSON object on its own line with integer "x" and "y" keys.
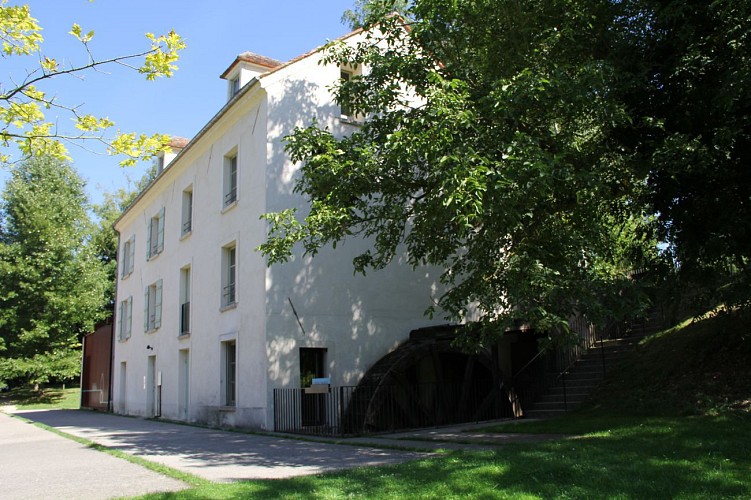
{"x": 356, "y": 410}
{"x": 550, "y": 367}
{"x": 230, "y": 197}
{"x": 185, "y": 318}
{"x": 187, "y": 226}
{"x": 228, "y": 295}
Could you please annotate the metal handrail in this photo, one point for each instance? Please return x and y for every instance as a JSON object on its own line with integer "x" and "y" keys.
{"x": 229, "y": 294}
{"x": 230, "y": 197}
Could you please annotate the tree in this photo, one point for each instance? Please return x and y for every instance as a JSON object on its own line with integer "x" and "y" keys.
{"x": 367, "y": 12}
{"x": 52, "y": 286}
{"x": 698, "y": 61}
{"x": 506, "y": 163}
{"x": 23, "y": 105}
{"x": 104, "y": 240}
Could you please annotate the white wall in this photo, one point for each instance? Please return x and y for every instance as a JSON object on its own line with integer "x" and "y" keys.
{"x": 357, "y": 319}
{"x": 242, "y": 129}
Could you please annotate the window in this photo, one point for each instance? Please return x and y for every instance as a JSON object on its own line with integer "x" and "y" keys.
{"x": 230, "y": 180}
{"x": 229, "y": 372}
{"x": 152, "y": 309}
{"x": 125, "y": 315}
{"x": 229, "y": 275}
{"x": 159, "y": 162}
{"x": 155, "y": 235}
{"x": 234, "y": 86}
{"x": 185, "y": 301}
{"x": 127, "y": 257}
{"x": 312, "y": 365}
{"x": 187, "y": 219}
{"x": 346, "y": 76}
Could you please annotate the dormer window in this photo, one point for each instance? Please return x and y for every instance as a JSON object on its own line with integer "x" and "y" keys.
{"x": 163, "y": 159}
{"x": 234, "y": 86}
{"x": 244, "y": 69}
{"x": 159, "y": 161}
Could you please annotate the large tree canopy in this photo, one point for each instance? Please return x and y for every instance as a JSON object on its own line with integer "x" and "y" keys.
{"x": 538, "y": 151}
{"x": 52, "y": 285}
{"x": 502, "y": 163}
{"x": 699, "y": 56}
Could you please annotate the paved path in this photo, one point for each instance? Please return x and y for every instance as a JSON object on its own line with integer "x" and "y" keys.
{"x": 38, "y": 464}
{"x": 35, "y": 463}
{"x": 212, "y": 454}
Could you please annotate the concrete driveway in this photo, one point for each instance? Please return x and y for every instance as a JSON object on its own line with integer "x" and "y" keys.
{"x": 38, "y": 464}
{"x": 212, "y": 454}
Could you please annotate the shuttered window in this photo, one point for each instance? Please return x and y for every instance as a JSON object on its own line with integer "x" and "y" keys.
{"x": 125, "y": 315}
{"x": 152, "y": 310}
{"x": 127, "y": 256}
{"x": 155, "y": 235}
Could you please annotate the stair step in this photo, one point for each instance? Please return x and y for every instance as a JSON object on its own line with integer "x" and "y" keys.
{"x": 543, "y": 414}
{"x": 591, "y": 368}
{"x": 576, "y": 383}
{"x": 570, "y": 392}
{"x": 558, "y": 398}
{"x": 541, "y": 406}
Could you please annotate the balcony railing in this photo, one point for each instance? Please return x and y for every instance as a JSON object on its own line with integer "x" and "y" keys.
{"x": 187, "y": 226}
{"x": 185, "y": 318}
{"x": 230, "y": 197}
{"x": 228, "y": 295}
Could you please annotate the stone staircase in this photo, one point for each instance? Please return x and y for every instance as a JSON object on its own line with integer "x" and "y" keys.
{"x": 573, "y": 387}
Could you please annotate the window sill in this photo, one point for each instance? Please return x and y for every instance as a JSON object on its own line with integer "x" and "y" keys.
{"x": 350, "y": 121}
{"x": 186, "y": 235}
{"x": 229, "y": 206}
{"x": 228, "y": 307}
{"x": 153, "y": 330}
{"x": 183, "y": 336}
{"x": 122, "y": 341}
{"x": 154, "y": 256}
{"x": 228, "y": 409}
{"x": 125, "y": 276}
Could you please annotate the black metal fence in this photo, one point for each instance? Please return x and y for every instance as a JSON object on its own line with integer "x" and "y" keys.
{"x": 356, "y": 410}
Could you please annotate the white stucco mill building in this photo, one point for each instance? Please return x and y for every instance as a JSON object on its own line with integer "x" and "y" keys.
{"x": 204, "y": 329}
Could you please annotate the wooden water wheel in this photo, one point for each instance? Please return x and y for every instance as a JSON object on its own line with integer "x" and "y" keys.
{"x": 426, "y": 382}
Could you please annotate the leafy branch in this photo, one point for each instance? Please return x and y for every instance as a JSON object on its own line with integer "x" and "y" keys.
{"x": 22, "y": 107}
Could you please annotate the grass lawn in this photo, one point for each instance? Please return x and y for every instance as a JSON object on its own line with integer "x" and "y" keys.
{"x": 26, "y": 398}
{"x": 605, "y": 457}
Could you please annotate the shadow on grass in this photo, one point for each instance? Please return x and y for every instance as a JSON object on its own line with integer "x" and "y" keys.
{"x": 27, "y": 396}
{"x": 655, "y": 458}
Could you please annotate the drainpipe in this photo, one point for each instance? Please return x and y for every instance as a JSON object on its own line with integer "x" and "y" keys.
{"x": 110, "y": 405}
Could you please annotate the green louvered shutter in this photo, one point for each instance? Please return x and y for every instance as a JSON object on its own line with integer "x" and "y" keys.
{"x": 158, "y": 305}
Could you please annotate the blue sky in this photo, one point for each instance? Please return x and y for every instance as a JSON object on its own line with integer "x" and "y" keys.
{"x": 215, "y": 32}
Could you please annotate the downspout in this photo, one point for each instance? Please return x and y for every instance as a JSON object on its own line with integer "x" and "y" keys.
{"x": 110, "y": 405}
{"x": 80, "y": 377}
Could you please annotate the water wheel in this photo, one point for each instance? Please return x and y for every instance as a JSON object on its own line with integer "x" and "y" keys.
{"x": 426, "y": 382}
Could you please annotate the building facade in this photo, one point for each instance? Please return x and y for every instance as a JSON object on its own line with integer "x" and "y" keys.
{"x": 205, "y": 330}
